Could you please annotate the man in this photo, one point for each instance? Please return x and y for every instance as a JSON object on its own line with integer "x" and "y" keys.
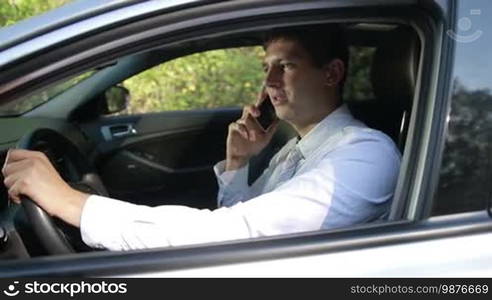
{"x": 337, "y": 172}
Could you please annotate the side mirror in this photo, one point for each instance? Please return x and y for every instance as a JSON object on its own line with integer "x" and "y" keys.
{"x": 116, "y": 99}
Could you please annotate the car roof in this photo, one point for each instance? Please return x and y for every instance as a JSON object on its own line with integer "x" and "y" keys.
{"x": 67, "y": 14}
{"x": 75, "y": 18}
{"x": 56, "y": 18}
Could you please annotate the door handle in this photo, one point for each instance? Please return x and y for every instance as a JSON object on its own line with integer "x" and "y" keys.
{"x": 117, "y": 131}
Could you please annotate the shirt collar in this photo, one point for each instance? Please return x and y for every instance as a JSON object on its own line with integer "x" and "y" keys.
{"x": 327, "y": 127}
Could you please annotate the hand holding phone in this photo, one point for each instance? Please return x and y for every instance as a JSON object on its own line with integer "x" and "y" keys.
{"x": 267, "y": 113}
{"x": 244, "y": 138}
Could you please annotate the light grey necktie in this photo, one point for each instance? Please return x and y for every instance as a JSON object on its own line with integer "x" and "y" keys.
{"x": 289, "y": 167}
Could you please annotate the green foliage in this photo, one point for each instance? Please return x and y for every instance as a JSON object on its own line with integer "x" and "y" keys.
{"x": 12, "y": 11}
{"x": 358, "y": 86}
{"x": 217, "y": 78}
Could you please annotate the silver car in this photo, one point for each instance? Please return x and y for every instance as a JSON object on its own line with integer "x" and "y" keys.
{"x": 70, "y": 86}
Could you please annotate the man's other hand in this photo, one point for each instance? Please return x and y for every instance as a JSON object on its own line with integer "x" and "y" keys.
{"x": 31, "y": 174}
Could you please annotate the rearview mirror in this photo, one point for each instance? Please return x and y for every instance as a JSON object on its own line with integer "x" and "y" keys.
{"x": 116, "y": 98}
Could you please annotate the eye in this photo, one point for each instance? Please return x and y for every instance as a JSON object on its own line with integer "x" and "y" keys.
{"x": 287, "y": 65}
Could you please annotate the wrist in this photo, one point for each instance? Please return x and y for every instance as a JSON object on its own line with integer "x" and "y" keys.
{"x": 71, "y": 211}
{"x": 235, "y": 163}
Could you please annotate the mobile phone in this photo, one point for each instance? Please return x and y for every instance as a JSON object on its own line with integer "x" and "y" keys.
{"x": 267, "y": 113}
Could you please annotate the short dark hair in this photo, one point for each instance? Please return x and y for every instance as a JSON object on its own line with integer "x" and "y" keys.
{"x": 323, "y": 42}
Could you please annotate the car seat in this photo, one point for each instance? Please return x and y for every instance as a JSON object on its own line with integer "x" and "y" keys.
{"x": 393, "y": 78}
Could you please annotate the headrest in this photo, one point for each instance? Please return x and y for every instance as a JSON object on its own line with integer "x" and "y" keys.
{"x": 394, "y": 69}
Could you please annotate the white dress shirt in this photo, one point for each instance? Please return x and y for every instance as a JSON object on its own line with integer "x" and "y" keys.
{"x": 346, "y": 175}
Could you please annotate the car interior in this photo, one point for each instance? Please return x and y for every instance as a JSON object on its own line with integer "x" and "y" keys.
{"x": 151, "y": 159}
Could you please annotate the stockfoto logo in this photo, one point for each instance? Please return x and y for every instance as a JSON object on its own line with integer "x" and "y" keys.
{"x": 69, "y": 288}
{"x": 464, "y": 26}
{"x": 12, "y": 290}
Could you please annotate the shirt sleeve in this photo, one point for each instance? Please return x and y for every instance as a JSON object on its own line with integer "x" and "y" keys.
{"x": 117, "y": 225}
{"x": 233, "y": 185}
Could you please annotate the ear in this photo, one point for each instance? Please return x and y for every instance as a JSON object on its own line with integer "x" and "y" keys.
{"x": 334, "y": 72}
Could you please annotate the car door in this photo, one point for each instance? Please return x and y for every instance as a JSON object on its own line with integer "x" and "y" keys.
{"x": 163, "y": 158}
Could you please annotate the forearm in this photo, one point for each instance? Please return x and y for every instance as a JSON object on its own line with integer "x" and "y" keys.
{"x": 71, "y": 211}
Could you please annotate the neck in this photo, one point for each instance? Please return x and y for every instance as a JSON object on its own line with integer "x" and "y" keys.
{"x": 303, "y": 128}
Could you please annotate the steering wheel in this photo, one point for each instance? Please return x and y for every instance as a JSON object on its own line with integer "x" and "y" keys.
{"x": 56, "y": 236}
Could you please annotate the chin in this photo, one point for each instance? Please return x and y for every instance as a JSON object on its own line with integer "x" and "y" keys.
{"x": 284, "y": 116}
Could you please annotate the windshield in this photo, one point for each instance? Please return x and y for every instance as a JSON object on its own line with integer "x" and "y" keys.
{"x": 24, "y": 104}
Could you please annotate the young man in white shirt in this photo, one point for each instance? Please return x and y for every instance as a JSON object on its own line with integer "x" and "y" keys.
{"x": 336, "y": 173}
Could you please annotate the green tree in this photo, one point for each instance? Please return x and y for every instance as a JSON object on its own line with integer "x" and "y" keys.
{"x": 12, "y": 11}
{"x": 466, "y": 162}
{"x": 217, "y": 78}
{"x": 358, "y": 85}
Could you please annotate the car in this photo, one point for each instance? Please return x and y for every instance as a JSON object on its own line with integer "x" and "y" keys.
{"x": 74, "y": 84}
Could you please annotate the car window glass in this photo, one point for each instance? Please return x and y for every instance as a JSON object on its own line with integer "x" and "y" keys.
{"x": 466, "y": 166}
{"x": 29, "y": 102}
{"x": 211, "y": 79}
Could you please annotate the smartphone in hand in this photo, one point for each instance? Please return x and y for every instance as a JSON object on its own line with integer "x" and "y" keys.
{"x": 267, "y": 113}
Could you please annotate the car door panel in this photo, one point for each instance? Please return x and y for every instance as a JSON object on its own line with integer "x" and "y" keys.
{"x": 163, "y": 158}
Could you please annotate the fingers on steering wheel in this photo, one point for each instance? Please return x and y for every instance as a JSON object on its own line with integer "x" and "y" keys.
{"x": 15, "y": 190}
{"x": 15, "y": 156}
{"x": 12, "y": 198}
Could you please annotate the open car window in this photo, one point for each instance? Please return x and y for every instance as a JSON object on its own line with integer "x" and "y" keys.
{"x": 153, "y": 175}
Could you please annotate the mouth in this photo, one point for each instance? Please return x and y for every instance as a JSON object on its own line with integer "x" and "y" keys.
{"x": 278, "y": 98}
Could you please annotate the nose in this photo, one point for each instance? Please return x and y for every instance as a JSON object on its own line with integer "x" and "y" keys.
{"x": 273, "y": 77}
